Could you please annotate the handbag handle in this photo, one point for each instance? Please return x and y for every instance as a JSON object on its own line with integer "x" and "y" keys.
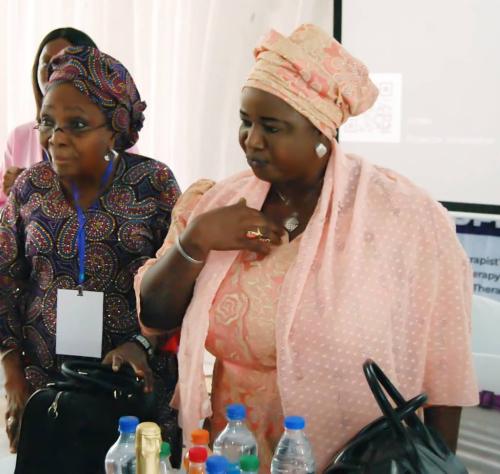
{"x": 95, "y": 375}
{"x": 369, "y": 432}
{"x": 377, "y": 380}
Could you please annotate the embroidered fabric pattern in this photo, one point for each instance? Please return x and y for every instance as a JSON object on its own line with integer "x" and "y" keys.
{"x": 38, "y": 256}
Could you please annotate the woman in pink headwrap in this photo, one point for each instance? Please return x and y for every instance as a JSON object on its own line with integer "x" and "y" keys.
{"x": 295, "y": 272}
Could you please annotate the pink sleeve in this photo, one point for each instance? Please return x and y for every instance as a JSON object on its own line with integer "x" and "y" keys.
{"x": 134, "y": 149}
{"x": 449, "y": 373}
{"x": 180, "y": 216}
{"x": 6, "y": 163}
{"x": 23, "y": 150}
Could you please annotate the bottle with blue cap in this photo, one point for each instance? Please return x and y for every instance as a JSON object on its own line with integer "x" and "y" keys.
{"x": 121, "y": 456}
{"x": 216, "y": 465}
{"x": 236, "y": 439}
{"x": 293, "y": 454}
{"x": 233, "y": 469}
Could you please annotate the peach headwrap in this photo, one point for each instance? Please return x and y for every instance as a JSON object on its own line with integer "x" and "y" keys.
{"x": 313, "y": 73}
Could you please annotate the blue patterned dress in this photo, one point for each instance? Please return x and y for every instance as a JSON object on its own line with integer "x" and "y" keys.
{"x": 38, "y": 256}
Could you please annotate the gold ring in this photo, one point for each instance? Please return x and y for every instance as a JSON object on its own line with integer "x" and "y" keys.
{"x": 252, "y": 235}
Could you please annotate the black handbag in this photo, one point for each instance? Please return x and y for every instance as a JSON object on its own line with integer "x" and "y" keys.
{"x": 398, "y": 442}
{"x": 69, "y": 426}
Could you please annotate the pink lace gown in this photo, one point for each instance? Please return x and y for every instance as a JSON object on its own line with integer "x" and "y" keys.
{"x": 242, "y": 338}
{"x": 378, "y": 273}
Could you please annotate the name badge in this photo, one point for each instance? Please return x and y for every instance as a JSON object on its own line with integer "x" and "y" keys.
{"x": 79, "y": 323}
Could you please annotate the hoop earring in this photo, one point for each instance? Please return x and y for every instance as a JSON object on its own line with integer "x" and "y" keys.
{"x": 321, "y": 150}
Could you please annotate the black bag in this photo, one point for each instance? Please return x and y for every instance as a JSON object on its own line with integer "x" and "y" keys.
{"x": 398, "y": 442}
{"x": 69, "y": 426}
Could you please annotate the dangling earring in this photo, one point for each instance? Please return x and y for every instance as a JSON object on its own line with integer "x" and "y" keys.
{"x": 111, "y": 155}
{"x": 321, "y": 150}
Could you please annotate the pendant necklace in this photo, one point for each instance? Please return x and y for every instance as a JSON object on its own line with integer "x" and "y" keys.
{"x": 292, "y": 221}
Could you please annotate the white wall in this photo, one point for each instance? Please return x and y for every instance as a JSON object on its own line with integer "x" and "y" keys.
{"x": 443, "y": 129}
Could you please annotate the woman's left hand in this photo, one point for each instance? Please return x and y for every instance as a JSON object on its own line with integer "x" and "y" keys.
{"x": 131, "y": 353}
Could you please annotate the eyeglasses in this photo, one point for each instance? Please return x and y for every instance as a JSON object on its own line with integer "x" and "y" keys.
{"x": 75, "y": 129}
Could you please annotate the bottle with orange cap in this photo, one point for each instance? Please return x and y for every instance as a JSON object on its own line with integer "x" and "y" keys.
{"x": 199, "y": 438}
{"x": 197, "y": 458}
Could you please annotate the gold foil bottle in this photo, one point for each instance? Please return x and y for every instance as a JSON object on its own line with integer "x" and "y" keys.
{"x": 147, "y": 448}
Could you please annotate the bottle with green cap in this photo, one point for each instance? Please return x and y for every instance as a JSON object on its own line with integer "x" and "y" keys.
{"x": 165, "y": 465}
{"x": 249, "y": 464}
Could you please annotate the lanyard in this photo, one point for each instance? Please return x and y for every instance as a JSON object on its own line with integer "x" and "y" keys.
{"x": 80, "y": 235}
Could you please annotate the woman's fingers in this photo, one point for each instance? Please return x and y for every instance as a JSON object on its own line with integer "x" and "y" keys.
{"x": 257, "y": 246}
{"x": 130, "y": 353}
{"x": 265, "y": 226}
{"x": 12, "y": 425}
{"x": 9, "y": 178}
{"x": 17, "y": 432}
{"x": 117, "y": 362}
{"x": 239, "y": 227}
{"x": 114, "y": 359}
{"x": 108, "y": 359}
{"x": 144, "y": 371}
{"x": 264, "y": 231}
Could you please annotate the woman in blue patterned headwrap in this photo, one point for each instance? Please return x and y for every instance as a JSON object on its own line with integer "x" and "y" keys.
{"x": 108, "y": 84}
{"x": 91, "y": 113}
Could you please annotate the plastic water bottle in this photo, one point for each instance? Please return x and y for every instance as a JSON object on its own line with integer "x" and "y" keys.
{"x": 233, "y": 468}
{"x": 236, "y": 439}
{"x": 198, "y": 438}
{"x": 197, "y": 458}
{"x": 249, "y": 464}
{"x": 293, "y": 454}
{"x": 120, "y": 458}
{"x": 216, "y": 465}
{"x": 165, "y": 466}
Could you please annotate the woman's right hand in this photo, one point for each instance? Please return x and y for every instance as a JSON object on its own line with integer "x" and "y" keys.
{"x": 226, "y": 228}
{"x": 10, "y": 177}
{"x": 17, "y": 393}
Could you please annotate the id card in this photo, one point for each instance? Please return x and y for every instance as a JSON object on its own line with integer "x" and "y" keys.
{"x": 79, "y": 323}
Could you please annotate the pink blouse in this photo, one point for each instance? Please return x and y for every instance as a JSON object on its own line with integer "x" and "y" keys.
{"x": 23, "y": 150}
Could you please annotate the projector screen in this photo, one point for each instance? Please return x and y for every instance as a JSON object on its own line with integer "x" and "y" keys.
{"x": 437, "y": 119}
